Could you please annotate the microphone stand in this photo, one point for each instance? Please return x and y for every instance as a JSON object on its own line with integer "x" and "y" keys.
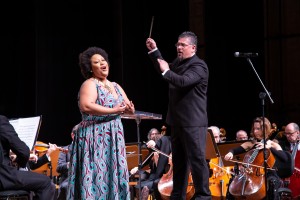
{"x": 266, "y": 91}
{"x": 262, "y": 96}
{"x": 138, "y": 116}
{"x": 138, "y": 121}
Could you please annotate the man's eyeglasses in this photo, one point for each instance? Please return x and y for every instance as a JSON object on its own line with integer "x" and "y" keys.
{"x": 290, "y": 133}
{"x": 182, "y": 44}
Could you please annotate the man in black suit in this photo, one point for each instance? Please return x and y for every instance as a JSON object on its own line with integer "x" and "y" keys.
{"x": 10, "y": 177}
{"x": 187, "y": 76}
{"x": 63, "y": 168}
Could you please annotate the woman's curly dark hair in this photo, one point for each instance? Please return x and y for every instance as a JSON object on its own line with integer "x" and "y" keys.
{"x": 85, "y": 60}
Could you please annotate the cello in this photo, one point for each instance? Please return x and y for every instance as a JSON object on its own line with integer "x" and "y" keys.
{"x": 165, "y": 184}
{"x": 219, "y": 181}
{"x": 250, "y": 182}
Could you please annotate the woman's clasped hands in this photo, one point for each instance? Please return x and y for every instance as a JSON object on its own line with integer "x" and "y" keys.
{"x": 122, "y": 108}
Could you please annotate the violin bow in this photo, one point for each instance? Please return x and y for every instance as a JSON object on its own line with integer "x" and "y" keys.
{"x": 227, "y": 171}
{"x": 252, "y": 165}
{"x": 147, "y": 158}
{"x": 158, "y": 151}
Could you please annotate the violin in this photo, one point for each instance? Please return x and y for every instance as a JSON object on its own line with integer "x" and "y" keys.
{"x": 41, "y": 147}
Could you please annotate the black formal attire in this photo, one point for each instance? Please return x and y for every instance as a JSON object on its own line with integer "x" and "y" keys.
{"x": 10, "y": 176}
{"x": 157, "y": 171}
{"x": 187, "y": 116}
{"x": 284, "y": 143}
{"x": 289, "y": 169}
{"x": 286, "y": 168}
{"x": 62, "y": 168}
{"x": 40, "y": 162}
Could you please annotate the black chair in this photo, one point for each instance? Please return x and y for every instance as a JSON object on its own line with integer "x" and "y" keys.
{"x": 14, "y": 195}
{"x": 284, "y": 193}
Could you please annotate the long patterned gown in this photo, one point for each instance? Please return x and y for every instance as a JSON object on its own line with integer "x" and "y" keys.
{"x": 98, "y": 167}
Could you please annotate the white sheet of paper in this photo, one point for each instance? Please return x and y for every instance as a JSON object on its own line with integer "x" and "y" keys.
{"x": 27, "y": 129}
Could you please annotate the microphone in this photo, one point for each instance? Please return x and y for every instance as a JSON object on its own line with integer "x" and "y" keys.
{"x": 245, "y": 55}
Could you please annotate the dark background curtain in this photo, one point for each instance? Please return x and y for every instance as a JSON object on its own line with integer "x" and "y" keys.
{"x": 42, "y": 40}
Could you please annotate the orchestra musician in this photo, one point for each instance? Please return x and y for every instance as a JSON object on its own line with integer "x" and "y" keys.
{"x": 257, "y": 144}
{"x": 290, "y": 142}
{"x": 216, "y": 133}
{"x": 219, "y": 175}
{"x": 10, "y": 177}
{"x": 241, "y": 135}
{"x": 154, "y": 135}
{"x": 62, "y": 168}
{"x": 157, "y": 166}
{"x": 36, "y": 161}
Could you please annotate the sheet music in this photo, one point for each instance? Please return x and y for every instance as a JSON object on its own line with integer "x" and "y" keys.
{"x": 27, "y": 129}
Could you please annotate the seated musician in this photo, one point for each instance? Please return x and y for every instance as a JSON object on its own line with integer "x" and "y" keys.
{"x": 157, "y": 169}
{"x": 216, "y": 134}
{"x": 241, "y": 135}
{"x": 10, "y": 177}
{"x": 34, "y": 161}
{"x": 154, "y": 135}
{"x": 218, "y": 175}
{"x": 290, "y": 142}
{"x": 256, "y": 143}
{"x": 63, "y": 168}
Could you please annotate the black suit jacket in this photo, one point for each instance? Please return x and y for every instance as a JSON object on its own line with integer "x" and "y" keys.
{"x": 10, "y": 140}
{"x": 164, "y": 145}
{"x": 285, "y": 144}
{"x": 188, "y": 82}
{"x": 40, "y": 162}
{"x": 286, "y": 167}
{"x": 156, "y": 172}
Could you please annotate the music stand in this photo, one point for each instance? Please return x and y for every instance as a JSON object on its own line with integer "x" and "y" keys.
{"x": 138, "y": 116}
{"x": 225, "y": 147}
{"x": 212, "y": 150}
